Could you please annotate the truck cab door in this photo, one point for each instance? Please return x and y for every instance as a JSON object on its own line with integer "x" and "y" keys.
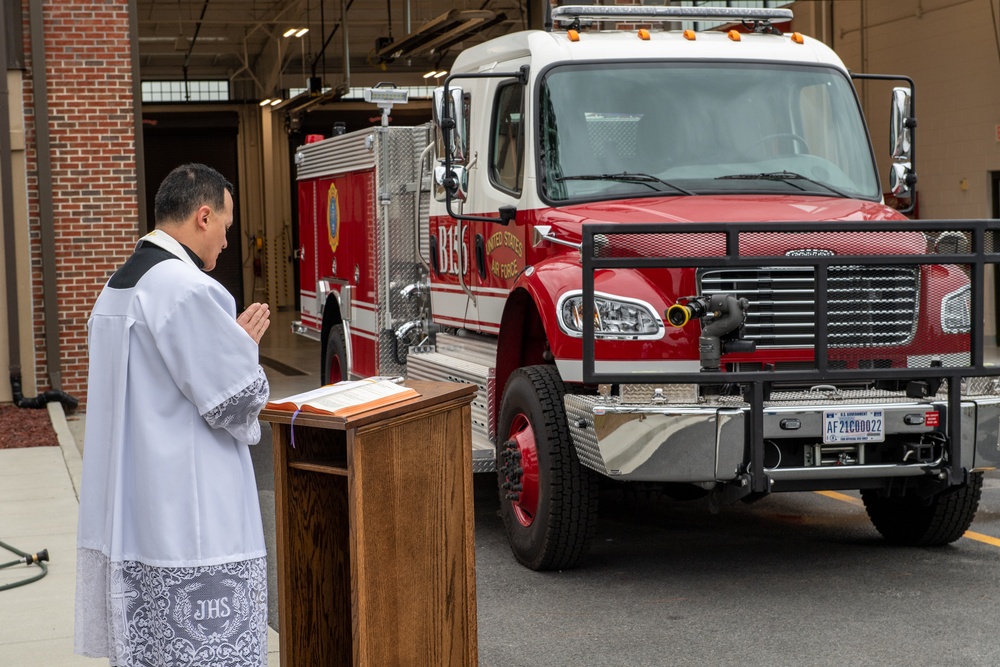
{"x": 473, "y": 273}
{"x": 496, "y": 251}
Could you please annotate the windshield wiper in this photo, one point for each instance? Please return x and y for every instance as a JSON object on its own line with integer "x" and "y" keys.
{"x": 786, "y": 176}
{"x": 626, "y": 177}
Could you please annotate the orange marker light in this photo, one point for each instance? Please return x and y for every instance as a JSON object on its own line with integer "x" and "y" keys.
{"x": 573, "y": 35}
{"x": 643, "y": 34}
{"x": 734, "y": 35}
{"x": 689, "y": 35}
{"x": 798, "y": 38}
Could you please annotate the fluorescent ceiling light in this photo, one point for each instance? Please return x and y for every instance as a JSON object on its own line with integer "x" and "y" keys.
{"x": 290, "y": 32}
{"x": 302, "y": 32}
{"x": 430, "y": 74}
{"x": 440, "y": 74}
{"x": 265, "y": 102}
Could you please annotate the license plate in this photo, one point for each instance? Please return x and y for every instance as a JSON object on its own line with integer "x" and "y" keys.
{"x": 853, "y": 426}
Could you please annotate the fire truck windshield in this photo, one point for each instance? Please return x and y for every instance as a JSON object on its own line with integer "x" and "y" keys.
{"x": 708, "y": 128}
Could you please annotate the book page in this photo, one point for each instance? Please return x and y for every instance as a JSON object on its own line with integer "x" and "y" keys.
{"x": 346, "y": 398}
{"x": 326, "y": 390}
{"x": 364, "y": 394}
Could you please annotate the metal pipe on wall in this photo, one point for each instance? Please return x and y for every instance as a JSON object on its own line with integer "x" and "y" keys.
{"x": 347, "y": 46}
{"x": 53, "y": 356}
{"x": 7, "y": 197}
{"x": 142, "y": 225}
{"x": 6, "y": 164}
{"x": 46, "y": 213}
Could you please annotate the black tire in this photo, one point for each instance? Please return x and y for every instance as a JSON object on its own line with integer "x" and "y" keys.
{"x": 555, "y": 536}
{"x": 333, "y": 367}
{"x": 910, "y": 520}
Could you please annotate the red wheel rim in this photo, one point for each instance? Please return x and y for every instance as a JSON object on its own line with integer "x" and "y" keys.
{"x": 334, "y": 373}
{"x": 526, "y": 506}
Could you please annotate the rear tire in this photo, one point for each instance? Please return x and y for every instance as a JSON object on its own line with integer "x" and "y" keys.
{"x": 548, "y": 500}
{"x": 334, "y": 366}
{"x": 910, "y": 520}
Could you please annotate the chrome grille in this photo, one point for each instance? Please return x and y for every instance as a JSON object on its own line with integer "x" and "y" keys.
{"x": 867, "y": 306}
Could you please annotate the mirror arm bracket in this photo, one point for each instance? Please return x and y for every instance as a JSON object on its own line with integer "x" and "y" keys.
{"x": 909, "y": 122}
{"x": 448, "y": 125}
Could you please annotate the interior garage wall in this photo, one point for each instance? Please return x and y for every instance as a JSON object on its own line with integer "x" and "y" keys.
{"x": 277, "y": 222}
{"x": 93, "y": 185}
{"x": 951, "y": 48}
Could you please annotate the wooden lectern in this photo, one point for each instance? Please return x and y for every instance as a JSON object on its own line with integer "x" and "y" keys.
{"x": 376, "y": 550}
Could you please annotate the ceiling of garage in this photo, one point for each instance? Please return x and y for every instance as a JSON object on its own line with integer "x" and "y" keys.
{"x": 243, "y": 40}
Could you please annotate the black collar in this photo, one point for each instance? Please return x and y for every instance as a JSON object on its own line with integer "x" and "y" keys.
{"x": 197, "y": 260}
{"x": 146, "y": 256}
{"x": 194, "y": 258}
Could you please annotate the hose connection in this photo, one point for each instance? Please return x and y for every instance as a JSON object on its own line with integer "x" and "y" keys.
{"x": 723, "y": 318}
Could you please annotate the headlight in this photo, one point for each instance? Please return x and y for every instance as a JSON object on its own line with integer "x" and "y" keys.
{"x": 956, "y": 311}
{"x": 951, "y": 243}
{"x": 614, "y": 317}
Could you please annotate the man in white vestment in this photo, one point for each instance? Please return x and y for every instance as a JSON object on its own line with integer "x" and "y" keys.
{"x": 171, "y": 561}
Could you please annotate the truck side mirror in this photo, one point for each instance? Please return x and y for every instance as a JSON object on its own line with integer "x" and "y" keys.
{"x": 451, "y": 130}
{"x": 901, "y": 125}
{"x": 453, "y": 183}
{"x": 901, "y": 180}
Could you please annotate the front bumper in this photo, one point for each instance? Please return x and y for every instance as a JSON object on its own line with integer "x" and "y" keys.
{"x": 707, "y": 443}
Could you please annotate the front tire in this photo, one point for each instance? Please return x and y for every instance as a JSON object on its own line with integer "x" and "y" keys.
{"x": 548, "y": 500}
{"x": 910, "y": 520}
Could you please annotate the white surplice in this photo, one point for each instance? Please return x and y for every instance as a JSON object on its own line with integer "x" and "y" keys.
{"x": 171, "y": 557}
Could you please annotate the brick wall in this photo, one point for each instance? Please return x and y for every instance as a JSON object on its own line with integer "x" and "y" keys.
{"x": 93, "y": 185}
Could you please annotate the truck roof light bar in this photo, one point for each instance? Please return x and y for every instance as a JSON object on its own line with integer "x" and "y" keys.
{"x": 571, "y": 13}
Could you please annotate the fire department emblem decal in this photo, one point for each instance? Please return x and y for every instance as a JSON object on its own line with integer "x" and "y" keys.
{"x": 333, "y": 217}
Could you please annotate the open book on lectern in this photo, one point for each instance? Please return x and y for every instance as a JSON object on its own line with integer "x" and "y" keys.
{"x": 347, "y": 398}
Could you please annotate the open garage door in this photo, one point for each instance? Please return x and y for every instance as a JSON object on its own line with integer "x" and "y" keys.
{"x": 172, "y": 139}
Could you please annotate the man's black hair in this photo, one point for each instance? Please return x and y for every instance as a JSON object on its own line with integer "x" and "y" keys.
{"x": 186, "y": 188}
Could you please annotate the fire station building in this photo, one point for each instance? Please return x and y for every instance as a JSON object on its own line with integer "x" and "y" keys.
{"x": 101, "y": 99}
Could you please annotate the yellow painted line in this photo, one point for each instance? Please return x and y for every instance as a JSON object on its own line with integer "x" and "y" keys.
{"x": 979, "y": 537}
{"x": 971, "y": 534}
{"x": 843, "y": 497}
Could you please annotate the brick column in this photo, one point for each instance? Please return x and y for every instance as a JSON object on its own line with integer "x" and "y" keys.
{"x": 93, "y": 180}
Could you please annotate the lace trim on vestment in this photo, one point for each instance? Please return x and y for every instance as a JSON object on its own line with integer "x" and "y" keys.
{"x": 139, "y": 615}
{"x": 238, "y": 413}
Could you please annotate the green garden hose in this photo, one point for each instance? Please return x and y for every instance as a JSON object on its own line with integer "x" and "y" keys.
{"x": 38, "y": 559}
